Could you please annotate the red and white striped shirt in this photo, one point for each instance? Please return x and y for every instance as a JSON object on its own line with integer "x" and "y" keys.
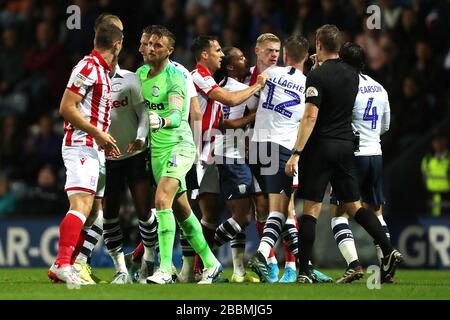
{"x": 211, "y": 109}
{"x": 90, "y": 80}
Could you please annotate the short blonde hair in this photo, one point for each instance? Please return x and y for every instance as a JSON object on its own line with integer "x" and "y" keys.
{"x": 267, "y": 37}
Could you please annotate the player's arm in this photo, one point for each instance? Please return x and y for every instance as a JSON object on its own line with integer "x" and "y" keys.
{"x": 239, "y": 123}
{"x": 176, "y": 95}
{"x": 195, "y": 116}
{"x": 69, "y": 111}
{"x": 237, "y": 97}
{"x": 313, "y": 100}
{"x": 141, "y": 113}
{"x": 386, "y": 119}
{"x": 304, "y": 132}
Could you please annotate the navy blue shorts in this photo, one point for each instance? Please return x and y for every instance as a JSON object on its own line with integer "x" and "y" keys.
{"x": 268, "y": 169}
{"x": 370, "y": 180}
{"x": 236, "y": 180}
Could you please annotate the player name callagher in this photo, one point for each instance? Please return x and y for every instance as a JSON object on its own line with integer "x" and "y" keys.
{"x": 288, "y": 84}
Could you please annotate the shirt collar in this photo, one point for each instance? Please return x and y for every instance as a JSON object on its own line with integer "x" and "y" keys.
{"x": 202, "y": 69}
{"x": 102, "y": 61}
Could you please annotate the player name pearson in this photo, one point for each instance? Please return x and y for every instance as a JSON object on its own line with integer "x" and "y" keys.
{"x": 369, "y": 89}
{"x": 288, "y": 84}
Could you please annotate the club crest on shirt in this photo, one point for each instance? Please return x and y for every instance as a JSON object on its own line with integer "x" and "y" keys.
{"x": 155, "y": 91}
{"x": 311, "y": 92}
{"x": 116, "y": 87}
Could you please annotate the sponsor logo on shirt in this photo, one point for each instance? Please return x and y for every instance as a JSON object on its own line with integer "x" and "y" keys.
{"x": 120, "y": 103}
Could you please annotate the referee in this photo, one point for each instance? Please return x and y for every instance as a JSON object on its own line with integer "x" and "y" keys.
{"x": 325, "y": 145}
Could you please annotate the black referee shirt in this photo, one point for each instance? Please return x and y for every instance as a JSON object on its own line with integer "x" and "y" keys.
{"x": 332, "y": 87}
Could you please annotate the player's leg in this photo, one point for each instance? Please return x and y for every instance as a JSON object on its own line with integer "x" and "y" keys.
{"x": 186, "y": 273}
{"x": 192, "y": 230}
{"x": 112, "y": 232}
{"x": 93, "y": 227}
{"x": 236, "y": 184}
{"x": 140, "y": 181}
{"x": 208, "y": 201}
{"x": 69, "y": 230}
{"x": 345, "y": 242}
{"x": 347, "y": 192}
{"x": 290, "y": 242}
{"x": 82, "y": 168}
{"x": 371, "y": 187}
{"x": 279, "y": 187}
{"x": 315, "y": 173}
{"x": 261, "y": 202}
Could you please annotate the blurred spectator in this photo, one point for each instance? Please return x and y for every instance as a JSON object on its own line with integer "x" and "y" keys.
{"x": 11, "y": 147}
{"x": 7, "y": 199}
{"x": 426, "y": 68}
{"x": 46, "y": 198}
{"x": 265, "y": 18}
{"x": 11, "y": 71}
{"x": 46, "y": 65}
{"x": 173, "y": 18}
{"x": 414, "y": 105}
{"x": 78, "y": 42}
{"x": 390, "y": 14}
{"x": 436, "y": 176}
{"x": 42, "y": 147}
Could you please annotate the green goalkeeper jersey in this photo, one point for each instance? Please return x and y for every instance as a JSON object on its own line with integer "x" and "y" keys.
{"x": 156, "y": 91}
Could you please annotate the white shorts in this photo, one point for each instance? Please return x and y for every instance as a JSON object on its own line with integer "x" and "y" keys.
{"x": 295, "y": 182}
{"x": 258, "y": 190}
{"x": 208, "y": 179}
{"x": 85, "y": 170}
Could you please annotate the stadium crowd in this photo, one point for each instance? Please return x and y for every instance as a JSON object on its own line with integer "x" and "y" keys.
{"x": 409, "y": 55}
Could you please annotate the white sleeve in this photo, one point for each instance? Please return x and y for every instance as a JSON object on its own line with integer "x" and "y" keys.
{"x": 386, "y": 120}
{"x": 252, "y": 102}
{"x": 204, "y": 83}
{"x": 192, "y": 92}
{"x": 82, "y": 77}
{"x": 139, "y": 107}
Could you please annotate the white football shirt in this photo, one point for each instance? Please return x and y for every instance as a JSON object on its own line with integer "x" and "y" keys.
{"x": 371, "y": 115}
{"x": 281, "y": 107}
{"x": 129, "y": 118}
{"x": 230, "y": 143}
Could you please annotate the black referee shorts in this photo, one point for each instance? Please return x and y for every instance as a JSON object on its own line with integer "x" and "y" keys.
{"x": 132, "y": 170}
{"x": 328, "y": 161}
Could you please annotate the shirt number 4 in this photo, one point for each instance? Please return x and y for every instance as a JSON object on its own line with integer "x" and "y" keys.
{"x": 368, "y": 116}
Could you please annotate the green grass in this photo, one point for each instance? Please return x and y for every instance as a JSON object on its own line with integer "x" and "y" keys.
{"x": 30, "y": 284}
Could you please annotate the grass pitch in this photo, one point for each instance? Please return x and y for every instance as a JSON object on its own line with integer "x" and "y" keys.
{"x": 33, "y": 284}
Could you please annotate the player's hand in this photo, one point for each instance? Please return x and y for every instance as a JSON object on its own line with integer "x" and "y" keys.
{"x": 156, "y": 122}
{"x": 261, "y": 79}
{"x": 107, "y": 142}
{"x": 315, "y": 61}
{"x": 291, "y": 166}
{"x": 134, "y": 146}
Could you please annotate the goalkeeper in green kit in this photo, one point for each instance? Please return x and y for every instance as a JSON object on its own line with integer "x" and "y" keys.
{"x": 172, "y": 154}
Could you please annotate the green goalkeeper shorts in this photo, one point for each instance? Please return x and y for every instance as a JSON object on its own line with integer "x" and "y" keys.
{"x": 173, "y": 163}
